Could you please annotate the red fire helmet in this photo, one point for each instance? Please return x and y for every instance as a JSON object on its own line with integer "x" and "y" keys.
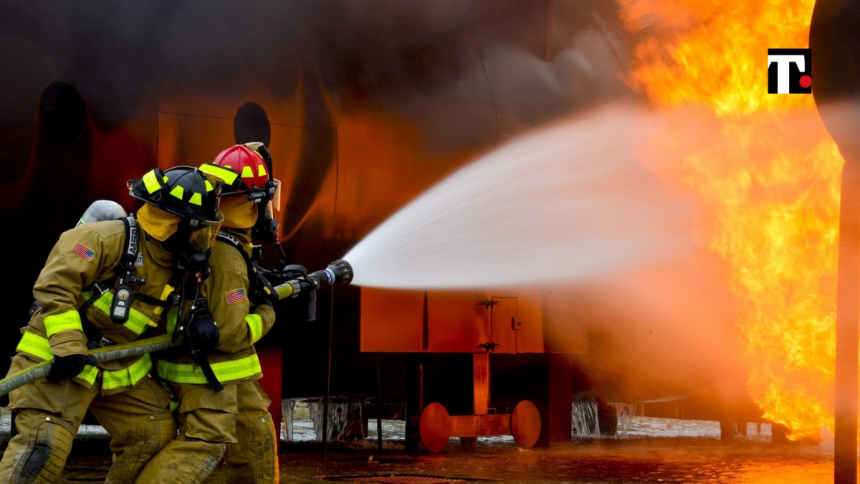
{"x": 248, "y": 163}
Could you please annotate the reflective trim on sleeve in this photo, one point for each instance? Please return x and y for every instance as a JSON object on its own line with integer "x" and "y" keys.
{"x": 36, "y": 346}
{"x": 89, "y": 374}
{"x": 255, "y": 323}
{"x": 137, "y": 321}
{"x": 40, "y": 347}
{"x": 225, "y": 370}
{"x": 63, "y": 322}
{"x": 127, "y": 376}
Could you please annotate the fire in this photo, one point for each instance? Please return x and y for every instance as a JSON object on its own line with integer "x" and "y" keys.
{"x": 767, "y": 176}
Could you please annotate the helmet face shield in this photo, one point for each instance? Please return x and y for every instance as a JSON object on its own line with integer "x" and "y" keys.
{"x": 204, "y": 237}
{"x": 276, "y": 198}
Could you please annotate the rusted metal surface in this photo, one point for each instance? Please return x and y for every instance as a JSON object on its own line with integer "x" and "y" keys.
{"x": 458, "y": 322}
{"x": 437, "y": 426}
{"x": 481, "y": 374}
{"x": 525, "y": 424}
{"x": 479, "y": 425}
{"x": 434, "y": 427}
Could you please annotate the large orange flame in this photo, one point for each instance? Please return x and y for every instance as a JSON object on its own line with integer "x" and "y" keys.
{"x": 767, "y": 174}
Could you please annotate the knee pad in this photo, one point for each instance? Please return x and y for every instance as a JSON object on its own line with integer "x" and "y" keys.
{"x": 138, "y": 448}
{"x": 266, "y": 455}
{"x": 164, "y": 433}
{"x": 46, "y": 452}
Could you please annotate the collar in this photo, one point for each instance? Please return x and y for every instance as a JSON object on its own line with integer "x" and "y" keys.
{"x": 155, "y": 251}
{"x": 244, "y": 236}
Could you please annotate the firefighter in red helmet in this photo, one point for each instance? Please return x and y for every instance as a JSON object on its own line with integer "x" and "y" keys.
{"x": 235, "y": 417}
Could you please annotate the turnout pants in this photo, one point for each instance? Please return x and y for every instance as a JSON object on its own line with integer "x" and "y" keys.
{"x": 49, "y": 414}
{"x": 255, "y": 457}
{"x": 207, "y": 424}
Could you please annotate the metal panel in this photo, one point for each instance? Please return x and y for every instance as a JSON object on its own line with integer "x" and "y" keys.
{"x": 503, "y": 317}
{"x": 529, "y": 327}
{"x": 481, "y": 373}
{"x": 479, "y": 425}
{"x": 457, "y": 324}
{"x": 391, "y": 321}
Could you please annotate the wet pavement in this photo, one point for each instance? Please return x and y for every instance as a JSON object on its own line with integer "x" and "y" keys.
{"x": 586, "y": 461}
{"x": 653, "y": 450}
{"x": 610, "y": 461}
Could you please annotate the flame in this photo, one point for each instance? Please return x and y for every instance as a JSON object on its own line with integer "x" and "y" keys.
{"x": 767, "y": 175}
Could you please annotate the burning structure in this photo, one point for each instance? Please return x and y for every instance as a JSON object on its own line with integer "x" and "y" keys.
{"x": 364, "y": 106}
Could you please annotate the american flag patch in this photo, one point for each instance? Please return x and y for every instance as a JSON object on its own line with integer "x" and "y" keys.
{"x": 84, "y": 253}
{"x": 236, "y": 295}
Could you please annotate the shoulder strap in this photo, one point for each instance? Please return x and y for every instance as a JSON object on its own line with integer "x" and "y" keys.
{"x": 233, "y": 241}
{"x": 132, "y": 244}
{"x": 260, "y": 286}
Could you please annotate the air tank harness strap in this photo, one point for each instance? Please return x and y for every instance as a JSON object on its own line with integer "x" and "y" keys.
{"x": 210, "y": 375}
{"x": 95, "y": 339}
{"x": 201, "y": 358}
{"x": 174, "y": 400}
{"x": 261, "y": 289}
{"x": 120, "y": 307}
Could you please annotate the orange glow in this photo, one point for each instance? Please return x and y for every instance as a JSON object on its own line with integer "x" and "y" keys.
{"x": 766, "y": 174}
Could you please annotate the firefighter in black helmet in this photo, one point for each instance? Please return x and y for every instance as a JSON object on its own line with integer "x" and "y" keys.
{"x": 108, "y": 283}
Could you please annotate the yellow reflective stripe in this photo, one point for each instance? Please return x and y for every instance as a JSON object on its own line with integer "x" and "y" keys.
{"x": 196, "y": 199}
{"x": 89, "y": 374}
{"x": 63, "y": 322}
{"x": 209, "y": 186}
{"x": 247, "y": 172}
{"x": 178, "y": 192}
{"x": 261, "y": 170}
{"x": 225, "y": 370}
{"x": 128, "y": 376}
{"x": 36, "y": 346}
{"x": 225, "y": 173}
{"x": 172, "y": 316}
{"x": 151, "y": 182}
{"x": 137, "y": 321}
{"x": 40, "y": 347}
{"x": 255, "y": 322}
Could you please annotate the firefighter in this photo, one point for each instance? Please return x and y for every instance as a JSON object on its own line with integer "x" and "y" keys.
{"x": 106, "y": 283}
{"x": 235, "y": 417}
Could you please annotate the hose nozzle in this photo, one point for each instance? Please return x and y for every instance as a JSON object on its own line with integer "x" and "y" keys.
{"x": 338, "y": 272}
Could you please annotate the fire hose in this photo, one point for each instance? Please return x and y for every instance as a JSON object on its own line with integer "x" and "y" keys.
{"x": 338, "y": 272}
{"x": 109, "y": 353}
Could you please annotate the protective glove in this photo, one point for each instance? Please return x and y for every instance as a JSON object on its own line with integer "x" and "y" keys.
{"x": 202, "y": 331}
{"x": 68, "y": 366}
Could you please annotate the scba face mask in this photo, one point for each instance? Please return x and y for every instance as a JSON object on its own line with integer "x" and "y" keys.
{"x": 266, "y": 227}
